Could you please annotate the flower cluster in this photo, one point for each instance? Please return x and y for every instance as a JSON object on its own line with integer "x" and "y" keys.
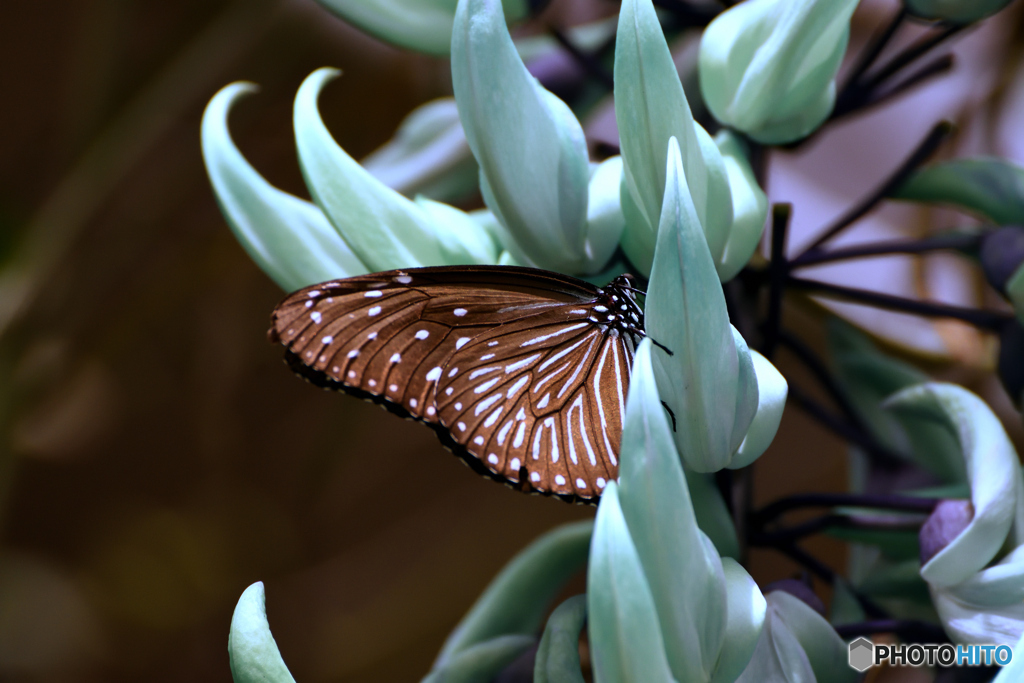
{"x": 667, "y": 598}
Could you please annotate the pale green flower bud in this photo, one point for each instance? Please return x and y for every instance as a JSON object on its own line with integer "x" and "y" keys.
{"x": 252, "y": 651}
{"x": 421, "y": 25}
{"x": 768, "y": 67}
{"x": 955, "y": 11}
{"x": 534, "y": 166}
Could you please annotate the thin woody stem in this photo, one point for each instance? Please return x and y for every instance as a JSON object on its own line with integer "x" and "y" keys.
{"x": 992, "y": 321}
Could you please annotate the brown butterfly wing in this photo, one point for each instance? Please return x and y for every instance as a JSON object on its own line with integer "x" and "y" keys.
{"x": 539, "y": 401}
{"x": 386, "y": 336}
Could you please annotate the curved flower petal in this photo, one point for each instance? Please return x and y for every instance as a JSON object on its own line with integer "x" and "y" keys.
{"x": 252, "y": 651}
{"x": 682, "y": 568}
{"x": 382, "y": 227}
{"x": 768, "y": 67}
{"x": 992, "y": 468}
{"x": 705, "y": 382}
{"x": 533, "y": 157}
{"x": 746, "y": 613}
{"x": 749, "y": 207}
{"x": 421, "y": 25}
{"x": 772, "y": 390}
{"x": 625, "y": 637}
{"x": 289, "y": 238}
{"x": 558, "y": 656}
{"x": 650, "y": 108}
{"x": 797, "y": 644}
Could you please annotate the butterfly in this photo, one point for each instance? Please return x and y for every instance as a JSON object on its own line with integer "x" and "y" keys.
{"x": 522, "y": 372}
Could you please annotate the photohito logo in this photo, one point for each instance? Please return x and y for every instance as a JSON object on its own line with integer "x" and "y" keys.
{"x": 864, "y": 654}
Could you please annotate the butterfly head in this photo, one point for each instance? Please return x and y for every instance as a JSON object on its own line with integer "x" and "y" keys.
{"x": 616, "y": 306}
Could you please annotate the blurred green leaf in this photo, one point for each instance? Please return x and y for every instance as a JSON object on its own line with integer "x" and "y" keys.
{"x": 625, "y": 639}
{"x": 702, "y": 382}
{"x": 955, "y": 11}
{"x": 992, "y": 468}
{"x": 867, "y": 377}
{"x": 517, "y": 599}
{"x": 289, "y": 238}
{"x": 683, "y": 570}
{"x": 713, "y": 515}
{"x": 532, "y": 153}
{"x": 421, "y": 25}
{"x": 481, "y": 661}
{"x": 382, "y": 227}
{"x": 428, "y": 155}
{"x": 558, "y": 657}
{"x": 990, "y": 186}
{"x": 252, "y": 651}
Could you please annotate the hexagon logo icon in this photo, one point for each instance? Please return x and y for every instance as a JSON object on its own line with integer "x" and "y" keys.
{"x": 862, "y": 654}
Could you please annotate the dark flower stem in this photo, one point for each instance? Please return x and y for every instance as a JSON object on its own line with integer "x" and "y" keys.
{"x": 588, "y": 62}
{"x": 788, "y": 534}
{"x": 924, "y": 150}
{"x": 938, "y": 243}
{"x": 777, "y": 273}
{"x": 912, "y": 54}
{"x": 879, "y": 455}
{"x": 821, "y": 373}
{"x": 992, "y": 321}
{"x": 868, "y": 56}
{"x": 827, "y": 500}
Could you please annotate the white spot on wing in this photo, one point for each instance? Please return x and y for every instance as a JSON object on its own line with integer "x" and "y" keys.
{"x": 315, "y": 317}
{"x": 564, "y": 330}
{"x": 413, "y": 402}
{"x": 601, "y": 483}
{"x": 580, "y": 484}
{"x": 486, "y": 403}
{"x": 373, "y": 311}
{"x": 462, "y": 342}
{"x": 492, "y": 458}
{"x": 515, "y": 464}
{"x": 519, "y": 365}
{"x": 534, "y": 476}
{"x": 434, "y": 374}
{"x": 520, "y": 435}
{"x": 486, "y": 385}
{"x": 422, "y": 334}
{"x": 327, "y": 340}
{"x": 459, "y": 312}
{"x": 478, "y": 440}
{"x": 395, "y": 358}
{"x": 461, "y": 426}
{"x": 353, "y": 353}
{"x": 560, "y": 480}
{"x": 493, "y": 417}
{"x": 403, "y": 279}
{"x": 543, "y": 403}
{"x": 373, "y": 294}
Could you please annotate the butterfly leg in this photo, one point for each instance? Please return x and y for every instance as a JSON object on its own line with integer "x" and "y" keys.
{"x": 670, "y": 414}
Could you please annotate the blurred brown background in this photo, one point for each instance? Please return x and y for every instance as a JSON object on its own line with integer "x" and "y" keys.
{"x": 156, "y": 456}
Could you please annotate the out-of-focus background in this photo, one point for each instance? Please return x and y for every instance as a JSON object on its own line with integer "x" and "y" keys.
{"x": 156, "y": 457}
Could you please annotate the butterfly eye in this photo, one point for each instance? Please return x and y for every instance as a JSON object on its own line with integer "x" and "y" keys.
{"x": 524, "y": 373}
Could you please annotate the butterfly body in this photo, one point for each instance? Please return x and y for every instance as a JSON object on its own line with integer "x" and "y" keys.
{"x": 523, "y": 373}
